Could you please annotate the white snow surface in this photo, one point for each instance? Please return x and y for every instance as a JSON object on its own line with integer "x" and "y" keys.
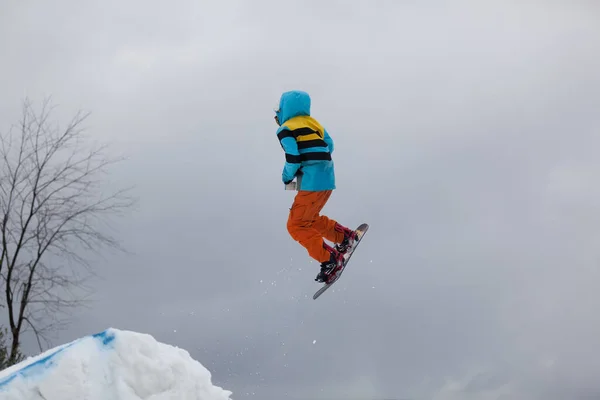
{"x": 110, "y": 365}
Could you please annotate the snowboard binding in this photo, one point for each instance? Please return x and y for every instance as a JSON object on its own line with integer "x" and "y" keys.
{"x": 329, "y": 268}
{"x": 350, "y": 237}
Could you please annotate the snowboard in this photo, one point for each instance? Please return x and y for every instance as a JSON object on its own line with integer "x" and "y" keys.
{"x": 361, "y": 231}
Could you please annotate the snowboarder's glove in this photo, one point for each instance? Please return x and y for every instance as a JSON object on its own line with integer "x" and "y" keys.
{"x": 288, "y": 182}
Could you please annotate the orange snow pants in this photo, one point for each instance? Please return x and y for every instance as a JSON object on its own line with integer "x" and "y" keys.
{"x": 308, "y": 227}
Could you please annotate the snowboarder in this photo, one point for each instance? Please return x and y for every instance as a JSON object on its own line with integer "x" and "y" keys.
{"x": 308, "y": 148}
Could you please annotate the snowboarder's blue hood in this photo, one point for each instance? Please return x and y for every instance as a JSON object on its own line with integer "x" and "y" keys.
{"x": 293, "y": 104}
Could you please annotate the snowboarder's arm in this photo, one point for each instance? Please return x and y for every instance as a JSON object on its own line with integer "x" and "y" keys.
{"x": 292, "y": 156}
{"x": 328, "y": 140}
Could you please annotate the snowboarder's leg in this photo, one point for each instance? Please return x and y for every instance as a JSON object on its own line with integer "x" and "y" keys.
{"x": 332, "y": 230}
{"x": 325, "y": 225}
{"x": 300, "y": 225}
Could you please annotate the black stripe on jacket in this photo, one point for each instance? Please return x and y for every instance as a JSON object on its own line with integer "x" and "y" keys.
{"x": 314, "y": 156}
{"x": 295, "y": 133}
{"x": 312, "y": 143}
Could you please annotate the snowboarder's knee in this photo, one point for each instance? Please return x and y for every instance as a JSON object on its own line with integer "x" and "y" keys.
{"x": 292, "y": 228}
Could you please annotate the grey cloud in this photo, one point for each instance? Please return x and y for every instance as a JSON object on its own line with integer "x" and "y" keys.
{"x": 465, "y": 135}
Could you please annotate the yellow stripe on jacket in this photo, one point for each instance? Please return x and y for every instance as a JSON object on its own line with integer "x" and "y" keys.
{"x": 305, "y": 121}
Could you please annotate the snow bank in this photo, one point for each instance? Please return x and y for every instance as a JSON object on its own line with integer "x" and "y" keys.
{"x": 110, "y": 365}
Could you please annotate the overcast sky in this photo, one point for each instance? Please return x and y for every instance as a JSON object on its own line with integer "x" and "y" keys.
{"x": 466, "y": 134}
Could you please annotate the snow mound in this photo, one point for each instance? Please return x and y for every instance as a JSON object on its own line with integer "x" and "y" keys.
{"x": 110, "y": 365}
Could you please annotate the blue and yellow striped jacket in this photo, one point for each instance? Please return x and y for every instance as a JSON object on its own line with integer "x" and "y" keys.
{"x": 307, "y": 145}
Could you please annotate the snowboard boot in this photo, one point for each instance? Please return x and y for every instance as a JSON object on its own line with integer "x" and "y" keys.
{"x": 332, "y": 265}
{"x": 349, "y": 238}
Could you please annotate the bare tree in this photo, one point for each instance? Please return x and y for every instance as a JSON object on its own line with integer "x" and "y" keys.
{"x": 52, "y": 207}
